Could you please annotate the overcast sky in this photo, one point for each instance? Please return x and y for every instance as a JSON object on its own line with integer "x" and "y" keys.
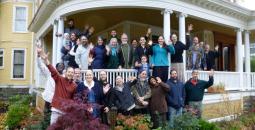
{"x": 250, "y": 4}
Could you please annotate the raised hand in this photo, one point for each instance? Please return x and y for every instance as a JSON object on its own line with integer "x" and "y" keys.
{"x": 150, "y": 42}
{"x": 190, "y": 27}
{"x": 216, "y": 48}
{"x": 91, "y": 45}
{"x": 106, "y": 109}
{"x": 158, "y": 80}
{"x": 86, "y": 27}
{"x": 39, "y": 51}
{"x": 91, "y": 30}
{"x": 90, "y": 109}
{"x": 132, "y": 78}
{"x": 170, "y": 41}
{"x": 107, "y": 48}
{"x": 90, "y": 60}
{"x": 38, "y": 44}
{"x": 140, "y": 99}
{"x": 44, "y": 57}
{"x": 106, "y": 88}
{"x": 149, "y": 31}
{"x": 211, "y": 73}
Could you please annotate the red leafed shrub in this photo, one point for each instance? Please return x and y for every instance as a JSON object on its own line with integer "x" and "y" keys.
{"x": 77, "y": 116}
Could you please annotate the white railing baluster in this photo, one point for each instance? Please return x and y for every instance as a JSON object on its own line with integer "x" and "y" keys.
{"x": 126, "y": 76}
{"x": 110, "y": 78}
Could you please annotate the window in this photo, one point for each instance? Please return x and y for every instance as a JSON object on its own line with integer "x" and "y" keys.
{"x": 20, "y": 19}
{"x": 252, "y": 49}
{"x": 1, "y": 58}
{"x": 18, "y": 62}
{"x": 226, "y": 57}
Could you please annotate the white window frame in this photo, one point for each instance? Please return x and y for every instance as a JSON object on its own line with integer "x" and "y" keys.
{"x": 1, "y": 49}
{"x": 25, "y": 53}
{"x": 14, "y": 16}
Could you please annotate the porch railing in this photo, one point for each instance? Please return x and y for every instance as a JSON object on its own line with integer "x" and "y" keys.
{"x": 252, "y": 80}
{"x": 231, "y": 80}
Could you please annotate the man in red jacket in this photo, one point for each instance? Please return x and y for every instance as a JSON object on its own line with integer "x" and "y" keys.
{"x": 65, "y": 88}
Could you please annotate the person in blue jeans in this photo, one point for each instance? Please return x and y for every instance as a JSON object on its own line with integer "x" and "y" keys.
{"x": 175, "y": 97}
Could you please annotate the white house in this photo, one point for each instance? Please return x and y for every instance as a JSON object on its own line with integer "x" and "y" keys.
{"x": 217, "y": 22}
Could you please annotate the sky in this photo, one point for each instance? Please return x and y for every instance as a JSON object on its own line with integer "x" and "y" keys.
{"x": 250, "y": 4}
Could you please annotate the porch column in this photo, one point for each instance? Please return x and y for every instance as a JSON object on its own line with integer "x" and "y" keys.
{"x": 60, "y": 38}
{"x": 247, "y": 51}
{"x": 55, "y": 42}
{"x": 182, "y": 38}
{"x": 167, "y": 24}
{"x": 167, "y": 29}
{"x": 247, "y": 58}
{"x": 239, "y": 56}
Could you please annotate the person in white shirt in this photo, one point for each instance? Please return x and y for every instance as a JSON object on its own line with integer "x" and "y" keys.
{"x": 82, "y": 53}
{"x": 48, "y": 83}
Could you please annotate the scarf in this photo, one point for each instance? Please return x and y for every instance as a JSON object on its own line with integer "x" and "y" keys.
{"x": 114, "y": 51}
{"x": 193, "y": 82}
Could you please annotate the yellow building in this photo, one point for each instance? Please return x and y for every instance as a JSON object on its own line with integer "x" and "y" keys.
{"x": 16, "y": 53}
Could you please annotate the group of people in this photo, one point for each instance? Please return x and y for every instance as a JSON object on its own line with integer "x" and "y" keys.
{"x": 155, "y": 95}
{"x": 142, "y": 54}
{"x": 139, "y": 95}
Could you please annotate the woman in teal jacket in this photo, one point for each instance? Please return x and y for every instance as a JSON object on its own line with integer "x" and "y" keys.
{"x": 160, "y": 60}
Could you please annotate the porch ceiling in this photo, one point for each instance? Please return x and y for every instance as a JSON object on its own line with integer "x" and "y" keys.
{"x": 105, "y": 18}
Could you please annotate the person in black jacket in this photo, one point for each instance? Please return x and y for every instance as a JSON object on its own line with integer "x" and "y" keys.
{"x": 208, "y": 59}
{"x": 194, "y": 89}
{"x": 177, "y": 58}
{"x": 107, "y": 101}
{"x": 175, "y": 97}
{"x": 71, "y": 28}
{"x": 141, "y": 50}
{"x": 123, "y": 98}
{"x": 69, "y": 50}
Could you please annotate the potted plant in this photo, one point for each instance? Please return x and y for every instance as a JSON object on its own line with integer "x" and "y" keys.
{"x": 218, "y": 88}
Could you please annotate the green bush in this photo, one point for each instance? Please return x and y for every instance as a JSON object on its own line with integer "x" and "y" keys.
{"x": 20, "y": 99}
{"x": 18, "y": 110}
{"x": 247, "y": 119}
{"x": 186, "y": 122}
{"x": 252, "y": 64}
{"x": 205, "y": 125}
